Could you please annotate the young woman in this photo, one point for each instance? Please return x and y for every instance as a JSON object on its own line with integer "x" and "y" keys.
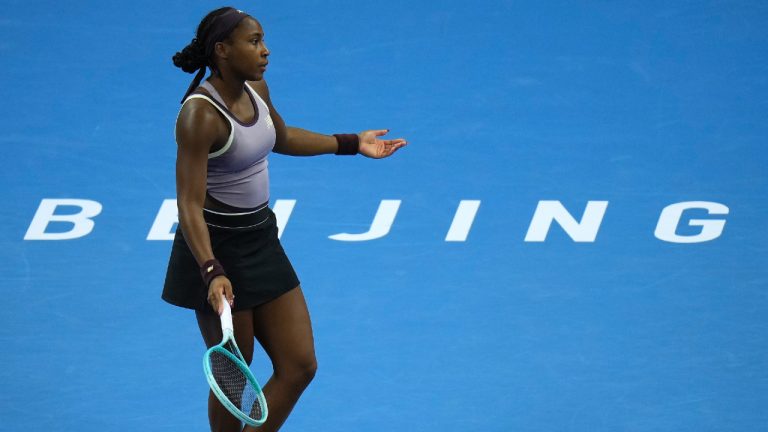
{"x": 227, "y": 244}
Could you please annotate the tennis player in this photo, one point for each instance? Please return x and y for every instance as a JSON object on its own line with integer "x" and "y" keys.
{"x": 227, "y": 240}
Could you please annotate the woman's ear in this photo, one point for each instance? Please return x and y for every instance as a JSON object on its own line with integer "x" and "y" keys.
{"x": 221, "y": 49}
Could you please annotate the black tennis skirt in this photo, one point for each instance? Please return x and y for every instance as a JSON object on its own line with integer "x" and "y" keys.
{"x": 247, "y": 246}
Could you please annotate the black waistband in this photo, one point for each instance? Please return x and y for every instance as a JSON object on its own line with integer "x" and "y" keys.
{"x": 241, "y": 220}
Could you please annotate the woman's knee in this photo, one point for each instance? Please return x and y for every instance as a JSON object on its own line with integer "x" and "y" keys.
{"x": 310, "y": 370}
{"x": 299, "y": 371}
{"x": 307, "y": 371}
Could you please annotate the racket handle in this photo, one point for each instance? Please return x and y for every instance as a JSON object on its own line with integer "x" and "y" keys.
{"x": 226, "y": 317}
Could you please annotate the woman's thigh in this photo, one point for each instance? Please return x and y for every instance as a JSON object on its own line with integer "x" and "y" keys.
{"x": 284, "y": 330}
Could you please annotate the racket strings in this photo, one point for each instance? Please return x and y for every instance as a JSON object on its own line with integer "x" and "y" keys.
{"x": 235, "y": 385}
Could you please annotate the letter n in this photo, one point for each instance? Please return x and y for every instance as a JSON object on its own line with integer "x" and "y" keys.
{"x": 581, "y": 231}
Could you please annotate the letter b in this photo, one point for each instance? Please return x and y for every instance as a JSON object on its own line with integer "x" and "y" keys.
{"x": 82, "y": 224}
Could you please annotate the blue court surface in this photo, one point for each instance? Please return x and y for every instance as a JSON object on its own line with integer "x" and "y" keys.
{"x": 574, "y": 239}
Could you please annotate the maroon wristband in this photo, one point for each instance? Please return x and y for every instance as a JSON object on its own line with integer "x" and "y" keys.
{"x": 211, "y": 269}
{"x": 349, "y": 144}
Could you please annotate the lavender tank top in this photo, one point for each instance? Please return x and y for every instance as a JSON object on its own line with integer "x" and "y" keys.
{"x": 237, "y": 173}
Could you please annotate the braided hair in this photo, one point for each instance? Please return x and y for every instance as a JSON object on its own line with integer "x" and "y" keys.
{"x": 198, "y": 55}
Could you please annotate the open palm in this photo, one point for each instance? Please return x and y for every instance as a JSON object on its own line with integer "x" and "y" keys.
{"x": 375, "y": 148}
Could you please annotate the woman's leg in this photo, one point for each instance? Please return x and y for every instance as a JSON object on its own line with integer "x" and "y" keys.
{"x": 210, "y": 326}
{"x": 283, "y": 328}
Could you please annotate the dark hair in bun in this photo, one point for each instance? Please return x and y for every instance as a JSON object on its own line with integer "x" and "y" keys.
{"x": 191, "y": 58}
{"x": 198, "y": 55}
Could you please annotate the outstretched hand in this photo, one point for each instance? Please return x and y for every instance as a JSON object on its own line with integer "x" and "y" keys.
{"x": 375, "y": 148}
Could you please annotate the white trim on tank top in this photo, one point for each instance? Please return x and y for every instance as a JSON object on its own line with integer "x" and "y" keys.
{"x": 268, "y": 117}
{"x": 222, "y": 150}
{"x": 256, "y": 95}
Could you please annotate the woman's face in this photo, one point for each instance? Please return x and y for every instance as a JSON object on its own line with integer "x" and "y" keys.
{"x": 246, "y": 52}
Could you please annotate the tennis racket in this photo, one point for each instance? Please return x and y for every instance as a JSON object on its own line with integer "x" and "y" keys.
{"x": 231, "y": 379}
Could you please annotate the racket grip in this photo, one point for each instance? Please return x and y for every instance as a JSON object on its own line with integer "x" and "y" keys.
{"x": 226, "y": 317}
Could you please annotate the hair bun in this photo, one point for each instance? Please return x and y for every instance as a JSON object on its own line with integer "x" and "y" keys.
{"x": 191, "y": 58}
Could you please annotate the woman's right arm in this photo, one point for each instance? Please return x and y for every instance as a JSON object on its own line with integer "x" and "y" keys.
{"x": 199, "y": 128}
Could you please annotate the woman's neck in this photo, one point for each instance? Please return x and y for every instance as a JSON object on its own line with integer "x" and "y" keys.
{"x": 231, "y": 90}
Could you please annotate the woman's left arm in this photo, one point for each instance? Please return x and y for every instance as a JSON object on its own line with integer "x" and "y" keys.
{"x": 299, "y": 142}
